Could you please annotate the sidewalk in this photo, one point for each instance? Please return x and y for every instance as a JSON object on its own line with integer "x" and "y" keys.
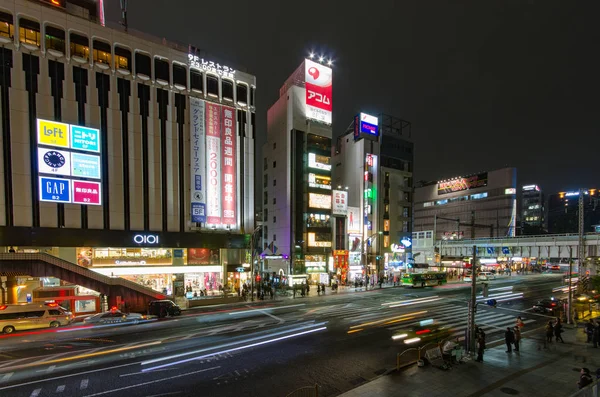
{"x": 534, "y": 371}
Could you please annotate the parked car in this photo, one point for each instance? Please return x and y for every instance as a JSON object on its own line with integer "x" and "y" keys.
{"x": 163, "y": 308}
{"x": 114, "y": 317}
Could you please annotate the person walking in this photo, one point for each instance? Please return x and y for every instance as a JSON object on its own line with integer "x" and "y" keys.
{"x": 517, "y": 333}
{"x": 520, "y": 322}
{"x": 549, "y": 331}
{"x": 480, "y": 346}
{"x": 509, "y": 338}
{"x": 558, "y": 330}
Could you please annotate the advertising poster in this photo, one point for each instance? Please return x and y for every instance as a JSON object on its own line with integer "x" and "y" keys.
{"x": 198, "y": 160}
{"x": 84, "y": 138}
{"x": 318, "y": 82}
{"x": 85, "y": 192}
{"x": 54, "y": 161}
{"x": 213, "y": 164}
{"x": 353, "y": 220}
{"x": 229, "y": 167}
{"x": 340, "y": 202}
{"x": 55, "y": 190}
{"x": 53, "y": 133}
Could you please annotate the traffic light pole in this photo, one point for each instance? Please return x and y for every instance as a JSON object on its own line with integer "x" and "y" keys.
{"x": 472, "y": 303}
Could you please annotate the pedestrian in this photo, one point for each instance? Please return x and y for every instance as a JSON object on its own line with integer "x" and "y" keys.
{"x": 549, "y": 331}
{"x": 596, "y": 334}
{"x": 480, "y": 345}
{"x": 319, "y": 289}
{"x": 585, "y": 378}
{"x": 589, "y": 330}
{"x": 517, "y": 333}
{"x": 509, "y": 338}
{"x": 558, "y": 329}
{"x": 520, "y": 322}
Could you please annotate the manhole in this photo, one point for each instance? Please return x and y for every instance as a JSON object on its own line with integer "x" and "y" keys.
{"x": 508, "y": 390}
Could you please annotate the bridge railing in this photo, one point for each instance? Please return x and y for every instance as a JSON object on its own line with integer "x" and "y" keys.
{"x": 82, "y": 271}
{"x": 521, "y": 239}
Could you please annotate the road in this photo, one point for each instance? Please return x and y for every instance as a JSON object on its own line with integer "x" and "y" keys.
{"x": 269, "y": 348}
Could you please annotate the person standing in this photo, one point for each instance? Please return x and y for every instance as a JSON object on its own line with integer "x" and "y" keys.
{"x": 596, "y": 334}
{"x": 550, "y": 332}
{"x": 558, "y": 330}
{"x": 480, "y": 346}
{"x": 509, "y": 338}
{"x": 517, "y": 333}
{"x": 589, "y": 330}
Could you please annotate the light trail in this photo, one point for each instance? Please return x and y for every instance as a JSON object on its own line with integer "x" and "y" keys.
{"x": 388, "y": 319}
{"x": 409, "y": 300}
{"x": 416, "y": 303}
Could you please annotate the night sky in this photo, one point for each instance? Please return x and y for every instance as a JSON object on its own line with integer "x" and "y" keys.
{"x": 485, "y": 83}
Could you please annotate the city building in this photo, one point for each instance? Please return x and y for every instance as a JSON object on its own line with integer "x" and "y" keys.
{"x": 563, "y": 211}
{"x": 124, "y": 154}
{"x": 296, "y": 172}
{"x": 472, "y": 206}
{"x": 372, "y": 170}
{"x": 532, "y": 210}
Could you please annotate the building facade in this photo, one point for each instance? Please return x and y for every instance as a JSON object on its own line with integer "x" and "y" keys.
{"x": 532, "y": 210}
{"x": 373, "y": 166}
{"x": 563, "y": 211}
{"x": 297, "y": 191}
{"x": 478, "y": 205}
{"x": 125, "y": 154}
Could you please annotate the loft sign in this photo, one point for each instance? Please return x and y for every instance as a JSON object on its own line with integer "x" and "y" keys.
{"x": 210, "y": 66}
{"x": 145, "y": 239}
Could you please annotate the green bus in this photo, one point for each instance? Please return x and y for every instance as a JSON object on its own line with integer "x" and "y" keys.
{"x": 427, "y": 279}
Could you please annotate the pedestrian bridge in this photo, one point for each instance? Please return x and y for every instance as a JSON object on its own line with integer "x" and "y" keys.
{"x": 549, "y": 246}
{"x": 45, "y": 265}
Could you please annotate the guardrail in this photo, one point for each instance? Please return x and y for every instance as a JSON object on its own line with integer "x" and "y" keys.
{"x": 404, "y": 361}
{"x": 306, "y": 391}
{"x": 592, "y": 390}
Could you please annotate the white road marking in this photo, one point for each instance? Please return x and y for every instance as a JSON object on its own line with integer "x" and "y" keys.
{"x": 60, "y": 389}
{"x": 35, "y": 393}
{"x": 6, "y": 376}
{"x": 49, "y": 369}
{"x": 143, "y": 373}
{"x": 151, "y": 382}
{"x": 84, "y": 384}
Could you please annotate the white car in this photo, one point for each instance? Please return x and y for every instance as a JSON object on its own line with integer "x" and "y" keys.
{"x": 486, "y": 276}
{"x": 114, "y": 317}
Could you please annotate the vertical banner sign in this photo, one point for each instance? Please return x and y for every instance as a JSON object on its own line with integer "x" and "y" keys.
{"x": 229, "y": 167}
{"x": 213, "y": 164}
{"x": 318, "y": 83}
{"x": 198, "y": 160}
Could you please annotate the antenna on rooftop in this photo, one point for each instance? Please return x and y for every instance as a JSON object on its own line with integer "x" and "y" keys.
{"x": 124, "y": 13}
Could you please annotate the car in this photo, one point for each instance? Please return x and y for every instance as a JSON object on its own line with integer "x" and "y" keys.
{"x": 114, "y": 317}
{"x": 547, "y": 306}
{"x": 423, "y": 331}
{"x": 486, "y": 276}
{"x": 162, "y": 308}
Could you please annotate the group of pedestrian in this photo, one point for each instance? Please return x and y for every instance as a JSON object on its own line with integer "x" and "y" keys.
{"x": 592, "y": 329}
{"x": 512, "y": 336}
{"x": 554, "y": 330}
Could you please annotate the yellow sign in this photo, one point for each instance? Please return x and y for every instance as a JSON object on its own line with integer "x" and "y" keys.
{"x": 53, "y": 133}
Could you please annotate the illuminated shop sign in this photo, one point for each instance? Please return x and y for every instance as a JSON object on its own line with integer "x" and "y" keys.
{"x": 319, "y": 161}
{"x": 531, "y": 187}
{"x": 511, "y": 190}
{"x": 312, "y": 241}
{"x": 319, "y": 181}
{"x": 145, "y": 239}
{"x": 322, "y": 201}
{"x": 59, "y": 154}
{"x": 210, "y": 66}
{"x": 366, "y": 126}
{"x": 460, "y": 184}
{"x": 353, "y": 225}
{"x": 339, "y": 202}
{"x": 318, "y": 83}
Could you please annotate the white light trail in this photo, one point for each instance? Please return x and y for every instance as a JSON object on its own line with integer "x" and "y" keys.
{"x": 409, "y": 300}
{"x": 416, "y": 303}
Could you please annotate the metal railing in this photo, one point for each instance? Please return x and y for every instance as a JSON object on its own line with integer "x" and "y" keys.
{"x": 592, "y": 390}
{"x": 306, "y": 391}
{"x": 82, "y": 271}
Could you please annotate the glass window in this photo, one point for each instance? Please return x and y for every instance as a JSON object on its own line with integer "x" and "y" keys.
{"x": 274, "y": 145}
{"x": 102, "y": 52}
{"x": 441, "y": 202}
{"x": 80, "y": 46}
{"x": 274, "y": 182}
{"x": 421, "y": 234}
{"x": 196, "y": 82}
{"x": 265, "y": 180}
{"x": 85, "y": 306}
{"x": 36, "y": 314}
{"x": 212, "y": 86}
{"x": 143, "y": 65}
{"x": 274, "y": 237}
{"x": 266, "y": 214}
{"x": 179, "y": 75}
{"x": 318, "y": 220}
{"x": 29, "y": 32}
{"x": 227, "y": 88}
{"x": 54, "y": 39}
{"x": 274, "y": 200}
{"x": 122, "y": 58}
{"x": 242, "y": 94}
{"x": 266, "y": 198}
{"x": 266, "y": 164}
{"x": 274, "y": 164}
{"x": 7, "y": 27}
{"x": 161, "y": 70}
{"x": 428, "y": 234}
{"x": 274, "y": 219}
{"x": 479, "y": 196}
{"x": 428, "y": 204}
{"x": 55, "y": 312}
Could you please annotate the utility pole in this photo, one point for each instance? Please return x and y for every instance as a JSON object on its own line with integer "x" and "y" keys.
{"x": 581, "y": 245}
{"x": 570, "y": 298}
{"x": 472, "y": 303}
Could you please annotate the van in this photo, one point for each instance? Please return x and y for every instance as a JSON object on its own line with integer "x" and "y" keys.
{"x": 31, "y": 316}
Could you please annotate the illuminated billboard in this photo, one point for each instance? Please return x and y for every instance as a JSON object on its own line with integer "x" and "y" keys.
{"x": 319, "y": 181}
{"x": 366, "y": 126}
{"x": 353, "y": 226}
{"x": 319, "y": 240}
{"x": 460, "y": 184}
{"x": 318, "y": 82}
{"x": 322, "y": 201}
{"x": 68, "y": 156}
{"x": 339, "y": 202}
{"x": 319, "y": 161}
{"x": 213, "y": 158}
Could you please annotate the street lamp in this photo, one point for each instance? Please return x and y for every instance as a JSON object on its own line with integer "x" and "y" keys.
{"x": 252, "y": 261}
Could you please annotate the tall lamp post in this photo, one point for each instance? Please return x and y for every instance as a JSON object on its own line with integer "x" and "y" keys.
{"x": 252, "y": 261}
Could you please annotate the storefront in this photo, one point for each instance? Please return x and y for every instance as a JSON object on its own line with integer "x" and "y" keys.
{"x": 340, "y": 265}
{"x": 356, "y": 269}
{"x": 316, "y": 268}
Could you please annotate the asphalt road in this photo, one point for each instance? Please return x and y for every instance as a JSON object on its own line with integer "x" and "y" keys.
{"x": 269, "y": 348}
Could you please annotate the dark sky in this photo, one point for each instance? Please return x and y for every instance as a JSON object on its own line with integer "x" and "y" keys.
{"x": 484, "y": 83}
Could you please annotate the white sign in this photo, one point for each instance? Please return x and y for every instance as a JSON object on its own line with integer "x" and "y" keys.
{"x": 317, "y": 161}
{"x": 54, "y": 162}
{"x": 145, "y": 239}
{"x": 339, "y": 202}
{"x": 312, "y": 241}
{"x": 319, "y": 201}
{"x": 353, "y": 220}
{"x": 369, "y": 119}
{"x": 510, "y": 190}
{"x": 210, "y": 66}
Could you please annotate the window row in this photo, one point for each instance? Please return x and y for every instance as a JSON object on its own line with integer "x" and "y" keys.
{"x": 477, "y": 196}
{"x": 56, "y": 42}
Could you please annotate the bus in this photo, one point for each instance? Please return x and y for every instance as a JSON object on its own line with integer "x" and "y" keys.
{"x": 427, "y": 279}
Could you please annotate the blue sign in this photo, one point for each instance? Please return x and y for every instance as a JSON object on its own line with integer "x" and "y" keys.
{"x": 490, "y": 250}
{"x": 84, "y": 138}
{"x": 85, "y": 165}
{"x": 198, "y": 182}
{"x": 406, "y": 241}
{"x": 178, "y": 253}
{"x": 505, "y": 251}
{"x": 55, "y": 190}
{"x": 369, "y": 128}
{"x": 199, "y": 212}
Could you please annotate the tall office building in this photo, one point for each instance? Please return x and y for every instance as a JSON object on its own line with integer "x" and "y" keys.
{"x": 128, "y": 155}
{"x": 373, "y": 166}
{"x": 296, "y": 172}
{"x": 563, "y": 211}
{"x": 532, "y": 210}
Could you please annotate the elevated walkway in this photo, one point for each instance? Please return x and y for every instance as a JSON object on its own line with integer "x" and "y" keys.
{"x": 45, "y": 265}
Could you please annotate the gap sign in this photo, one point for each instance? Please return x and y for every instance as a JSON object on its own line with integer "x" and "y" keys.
{"x": 55, "y": 190}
